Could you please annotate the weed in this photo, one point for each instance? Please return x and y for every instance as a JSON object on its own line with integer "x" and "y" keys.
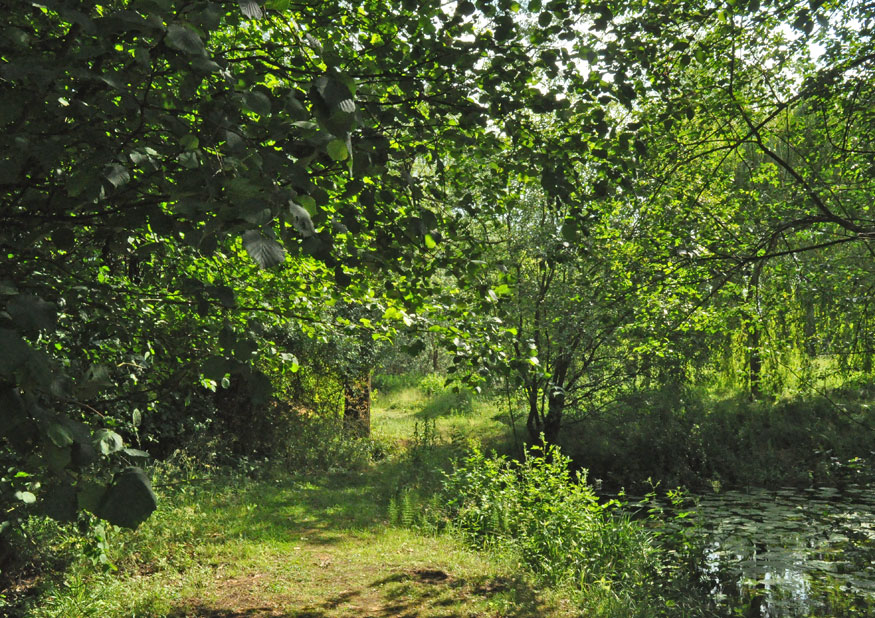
{"x": 432, "y": 384}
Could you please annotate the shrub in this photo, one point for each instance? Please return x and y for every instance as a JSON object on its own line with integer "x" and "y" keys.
{"x": 432, "y": 384}
{"x": 389, "y": 382}
{"x": 308, "y": 442}
{"x": 552, "y": 518}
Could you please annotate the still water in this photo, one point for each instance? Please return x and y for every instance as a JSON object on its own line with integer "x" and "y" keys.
{"x": 791, "y": 552}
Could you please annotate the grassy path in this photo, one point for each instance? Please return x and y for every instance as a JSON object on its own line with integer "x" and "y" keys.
{"x": 319, "y": 551}
{"x": 305, "y": 547}
{"x": 315, "y": 548}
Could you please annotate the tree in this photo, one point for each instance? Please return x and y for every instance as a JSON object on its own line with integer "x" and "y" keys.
{"x": 147, "y": 145}
{"x": 752, "y": 138}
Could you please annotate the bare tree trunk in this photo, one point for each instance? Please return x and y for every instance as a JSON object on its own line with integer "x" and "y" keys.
{"x": 754, "y": 333}
{"x": 754, "y": 362}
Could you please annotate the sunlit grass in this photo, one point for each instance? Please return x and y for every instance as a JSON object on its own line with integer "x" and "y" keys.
{"x": 397, "y": 413}
{"x": 320, "y": 545}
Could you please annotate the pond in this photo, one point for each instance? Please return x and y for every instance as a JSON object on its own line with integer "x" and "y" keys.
{"x": 790, "y": 552}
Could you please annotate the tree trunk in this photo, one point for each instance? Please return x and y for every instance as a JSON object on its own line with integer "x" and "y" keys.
{"x": 754, "y": 333}
{"x": 534, "y": 425}
{"x": 553, "y": 421}
{"x": 809, "y": 330}
{"x": 357, "y": 405}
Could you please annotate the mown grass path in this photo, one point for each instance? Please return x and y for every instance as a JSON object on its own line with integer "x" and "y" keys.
{"x": 321, "y": 548}
{"x": 314, "y": 547}
{"x": 305, "y": 546}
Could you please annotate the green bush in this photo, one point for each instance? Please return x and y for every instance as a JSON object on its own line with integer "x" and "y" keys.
{"x": 391, "y": 382}
{"x": 552, "y": 518}
{"x": 685, "y": 437}
{"x": 432, "y": 384}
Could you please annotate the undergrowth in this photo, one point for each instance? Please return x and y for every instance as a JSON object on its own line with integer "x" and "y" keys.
{"x": 555, "y": 525}
{"x": 684, "y": 436}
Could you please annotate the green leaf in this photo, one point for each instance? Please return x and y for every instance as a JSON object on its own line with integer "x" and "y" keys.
{"x": 60, "y": 435}
{"x": 429, "y": 242}
{"x": 185, "y": 40}
{"x": 266, "y": 252}
{"x": 337, "y": 150}
{"x": 251, "y": 9}
{"x": 334, "y": 93}
{"x": 257, "y": 102}
{"x": 189, "y": 159}
{"x": 11, "y": 410}
{"x": 56, "y": 458}
{"x": 133, "y": 452}
{"x": 25, "y": 496}
{"x": 205, "y": 65}
{"x": 301, "y": 216}
{"x": 14, "y": 352}
{"x": 291, "y": 360}
{"x": 189, "y": 142}
{"x": 392, "y": 313}
{"x": 31, "y": 314}
{"x": 107, "y": 441}
{"x": 129, "y": 500}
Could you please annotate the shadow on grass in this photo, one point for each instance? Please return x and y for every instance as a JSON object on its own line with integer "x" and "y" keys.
{"x": 405, "y": 594}
{"x": 321, "y": 507}
{"x": 409, "y": 593}
{"x": 447, "y": 403}
{"x": 205, "y": 611}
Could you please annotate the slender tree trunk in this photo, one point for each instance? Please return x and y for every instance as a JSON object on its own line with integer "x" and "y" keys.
{"x": 534, "y": 424}
{"x": 809, "y": 330}
{"x": 754, "y": 362}
{"x": 357, "y": 404}
{"x": 754, "y": 333}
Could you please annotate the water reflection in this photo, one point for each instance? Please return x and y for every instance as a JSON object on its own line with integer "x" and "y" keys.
{"x": 791, "y": 553}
